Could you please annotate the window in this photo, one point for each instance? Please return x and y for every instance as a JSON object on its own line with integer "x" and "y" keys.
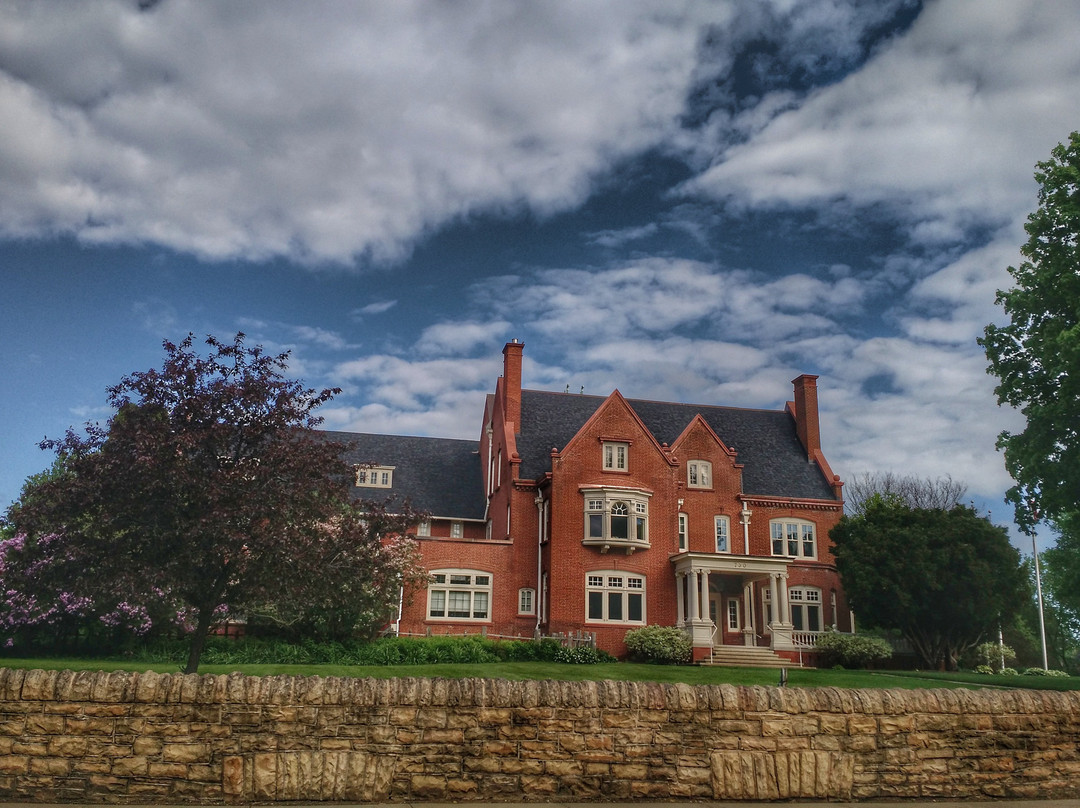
{"x": 793, "y": 538}
{"x": 733, "y": 614}
{"x": 805, "y": 608}
{"x": 699, "y": 474}
{"x": 526, "y": 601}
{"x": 616, "y": 517}
{"x": 423, "y": 528}
{"x": 457, "y": 529}
{"x": 374, "y": 476}
{"x": 722, "y": 543}
{"x": 683, "y": 531}
{"x": 612, "y": 596}
{"x": 615, "y": 456}
{"x": 459, "y": 595}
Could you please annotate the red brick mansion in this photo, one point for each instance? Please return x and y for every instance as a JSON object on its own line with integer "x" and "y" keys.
{"x": 582, "y": 513}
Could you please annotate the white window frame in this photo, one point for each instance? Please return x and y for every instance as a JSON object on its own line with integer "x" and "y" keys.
{"x": 801, "y": 600}
{"x": 457, "y": 529}
{"x": 616, "y": 455}
{"x": 699, "y": 474}
{"x": 456, "y": 587}
{"x": 793, "y": 538}
{"x": 423, "y": 528}
{"x": 722, "y": 533}
{"x": 731, "y": 614}
{"x": 614, "y": 592}
{"x": 375, "y": 476}
{"x": 604, "y": 510}
{"x": 684, "y": 532}
{"x": 526, "y": 601}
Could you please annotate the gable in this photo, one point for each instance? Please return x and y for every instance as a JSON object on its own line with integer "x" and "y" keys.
{"x": 613, "y": 423}
{"x": 767, "y": 445}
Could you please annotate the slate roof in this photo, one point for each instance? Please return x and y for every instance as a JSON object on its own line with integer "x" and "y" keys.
{"x": 440, "y": 476}
{"x": 774, "y": 460}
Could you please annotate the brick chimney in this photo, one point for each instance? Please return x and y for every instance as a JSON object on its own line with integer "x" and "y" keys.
{"x": 512, "y": 382}
{"x": 806, "y": 415}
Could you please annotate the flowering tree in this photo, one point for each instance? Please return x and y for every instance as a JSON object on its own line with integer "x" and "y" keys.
{"x": 209, "y": 489}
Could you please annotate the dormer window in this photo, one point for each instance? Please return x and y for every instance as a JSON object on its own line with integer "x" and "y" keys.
{"x": 374, "y": 476}
{"x": 615, "y": 455}
{"x": 699, "y": 474}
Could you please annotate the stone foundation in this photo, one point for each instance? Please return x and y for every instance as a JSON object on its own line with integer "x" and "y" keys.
{"x": 143, "y": 738}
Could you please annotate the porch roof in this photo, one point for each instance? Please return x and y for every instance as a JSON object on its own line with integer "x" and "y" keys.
{"x": 756, "y": 566}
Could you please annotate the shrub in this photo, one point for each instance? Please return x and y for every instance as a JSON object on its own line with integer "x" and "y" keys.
{"x": 664, "y": 645}
{"x": 852, "y": 650}
{"x": 1043, "y": 672}
{"x": 983, "y": 669}
{"x": 583, "y": 655}
{"x": 990, "y": 655}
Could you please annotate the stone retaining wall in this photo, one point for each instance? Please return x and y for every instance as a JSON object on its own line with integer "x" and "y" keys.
{"x": 143, "y": 738}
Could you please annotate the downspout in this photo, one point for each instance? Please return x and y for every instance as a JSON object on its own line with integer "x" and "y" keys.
{"x": 539, "y": 558}
{"x": 745, "y": 516}
{"x": 400, "y": 607}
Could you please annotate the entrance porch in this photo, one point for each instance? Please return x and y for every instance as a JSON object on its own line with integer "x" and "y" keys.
{"x": 716, "y": 604}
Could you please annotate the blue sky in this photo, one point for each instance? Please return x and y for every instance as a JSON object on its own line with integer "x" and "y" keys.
{"x": 684, "y": 201}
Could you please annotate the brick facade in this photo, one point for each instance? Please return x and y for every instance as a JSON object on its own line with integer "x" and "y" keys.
{"x": 542, "y": 463}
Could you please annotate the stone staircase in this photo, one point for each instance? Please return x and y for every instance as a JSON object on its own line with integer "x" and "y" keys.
{"x": 747, "y": 656}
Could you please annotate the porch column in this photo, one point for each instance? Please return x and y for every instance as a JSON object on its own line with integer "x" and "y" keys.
{"x": 680, "y": 581}
{"x": 692, "y": 595}
{"x": 748, "y": 614}
{"x": 786, "y": 607}
{"x": 705, "y": 596}
{"x": 774, "y": 598}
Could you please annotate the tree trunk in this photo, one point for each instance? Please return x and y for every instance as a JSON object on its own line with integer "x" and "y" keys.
{"x": 198, "y": 639}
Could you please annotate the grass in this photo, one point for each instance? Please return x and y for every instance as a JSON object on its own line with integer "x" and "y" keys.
{"x": 621, "y": 671}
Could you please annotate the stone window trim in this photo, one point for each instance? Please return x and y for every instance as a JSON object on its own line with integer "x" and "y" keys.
{"x": 616, "y": 518}
{"x": 699, "y": 474}
{"x": 722, "y": 532}
{"x": 526, "y": 601}
{"x": 455, "y": 595}
{"x": 793, "y": 538}
{"x": 615, "y": 455}
{"x": 375, "y": 476}
{"x": 615, "y": 597}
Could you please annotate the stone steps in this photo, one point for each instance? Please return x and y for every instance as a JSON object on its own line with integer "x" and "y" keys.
{"x": 746, "y": 656}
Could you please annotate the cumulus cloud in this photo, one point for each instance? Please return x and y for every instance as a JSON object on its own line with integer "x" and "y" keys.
{"x": 318, "y": 131}
{"x": 942, "y": 126}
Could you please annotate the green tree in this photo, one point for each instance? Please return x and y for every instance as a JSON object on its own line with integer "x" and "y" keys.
{"x": 1036, "y": 355}
{"x": 1061, "y": 586}
{"x": 208, "y": 492}
{"x": 942, "y": 578}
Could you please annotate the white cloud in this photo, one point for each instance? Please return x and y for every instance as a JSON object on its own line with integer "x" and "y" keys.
{"x": 457, "y": 338}
{"x": 320, "y": 131}
{"x": 944, "y": 125}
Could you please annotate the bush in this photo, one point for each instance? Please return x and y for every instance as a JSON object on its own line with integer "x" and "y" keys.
{"x": 852, "y": 650}
{"x": 990, "y": 654}
{"x": 663, "y": 645}
{"x": 983, "y": 669}
{"x": 583, "y": 655}
{"x": 1043, "y": 672}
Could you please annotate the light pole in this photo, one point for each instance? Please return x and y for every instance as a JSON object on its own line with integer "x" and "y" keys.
{"x": 1038, "y": 583}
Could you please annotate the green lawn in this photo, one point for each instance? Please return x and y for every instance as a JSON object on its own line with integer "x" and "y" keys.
{"x": 625, "y": 671}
